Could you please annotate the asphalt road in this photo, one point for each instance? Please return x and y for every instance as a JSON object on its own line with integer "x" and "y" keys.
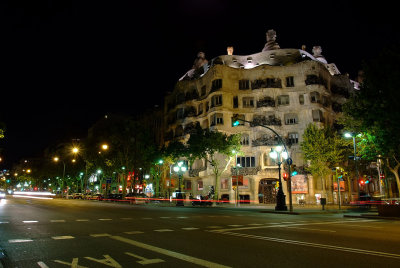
{"x": 80, "y": 233}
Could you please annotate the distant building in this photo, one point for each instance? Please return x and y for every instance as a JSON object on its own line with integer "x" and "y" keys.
{"x": 285, "y": 89}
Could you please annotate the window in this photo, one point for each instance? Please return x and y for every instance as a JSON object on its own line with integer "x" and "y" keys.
{"x": 245, "y": 139}
{"x": 291, "y": 119}
{"x": 293, "y": 138}
{"x": 216, "y": 100}
{"x": 268, "y": 161}
{"x": 216, "y": 84}
{"x": 317, "y": 116}
{"x": 290, "y": 81}
{"x": 244, "y": 84}
{"x": 203, "y": 90}
{"x": 200, "y": 185}
{"x": 207, "y": 106}
{"x": 301, "y": 99}
{"x": 246, "y": 161}
{"x": 283, "y": 100}
{"x": 187, "y": 184}
{"x": 180, "y": 113}
{"x": 315, "y": 97}
{"x": 235, "y": 102}
{"x": 224, "y": 183}
{"x": 200, "y": 109}
{"x": 248, "y": 102}
{"x": 217, "y": 119}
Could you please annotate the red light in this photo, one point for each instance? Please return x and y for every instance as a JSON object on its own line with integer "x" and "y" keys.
{"x": 285, "y": 176}
{"x": 362, "y": 182}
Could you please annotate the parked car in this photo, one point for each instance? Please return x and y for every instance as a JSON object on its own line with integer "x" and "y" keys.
{"x": 99, "y": 197}
{"x": 2, "y": 195}
{"x": 77, "y": 196}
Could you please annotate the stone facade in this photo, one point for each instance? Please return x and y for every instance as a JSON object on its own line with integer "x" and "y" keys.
{"x": 285, "y": 89}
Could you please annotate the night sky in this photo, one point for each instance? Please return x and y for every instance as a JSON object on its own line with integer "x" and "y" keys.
{"x": 64, "y": 64}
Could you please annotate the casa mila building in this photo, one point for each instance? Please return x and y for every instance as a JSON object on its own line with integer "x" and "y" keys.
{"x": 282, "y": 88}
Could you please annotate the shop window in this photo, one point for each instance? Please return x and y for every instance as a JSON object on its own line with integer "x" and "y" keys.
{"x": 200, "y": 185}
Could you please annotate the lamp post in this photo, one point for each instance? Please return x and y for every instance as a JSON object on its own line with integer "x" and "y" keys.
{"x": 338, "y": 186}
{"x": 352, "y": 135}
{"x": 56, "y": 159}
{"x": 180, "y": 168}
{"x": 280, "y": 197}
{"x": 160, "y": 163}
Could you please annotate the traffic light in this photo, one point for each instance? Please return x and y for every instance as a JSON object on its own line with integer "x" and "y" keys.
{"x": 235, "y": 122}
{"x": 285, "y": 176}
{"x": 362, "y": 182}
{"x": 277, "y": 185}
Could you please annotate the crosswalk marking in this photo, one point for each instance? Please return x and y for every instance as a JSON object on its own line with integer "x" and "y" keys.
{"x": 19, "y": 240}
{"x": 2, "y": 222}
{"x": 82, "y": 220}
{"x": 133, "y": 232}
{"x": 62, "y": 237}
{"x": 100, "y": 235}
{"x": 190, "y": 228}
{"x": 164, "y": 230}
{"x": 29, "y": 221}
{"x": 57, "y": 220}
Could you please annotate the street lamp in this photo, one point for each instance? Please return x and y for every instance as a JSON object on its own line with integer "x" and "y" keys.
{"x": 180, "y": 169}
{"x": 280, "y": 197}
{"x": 56, "y": 159}
{"x": 352, "y": 135}
{"x": 237, "y": 166}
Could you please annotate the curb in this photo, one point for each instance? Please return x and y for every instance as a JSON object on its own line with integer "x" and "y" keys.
{"x": 373, "y": 217}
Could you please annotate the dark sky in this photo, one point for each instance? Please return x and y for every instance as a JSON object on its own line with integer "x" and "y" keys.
{"x": 64, "y": 64}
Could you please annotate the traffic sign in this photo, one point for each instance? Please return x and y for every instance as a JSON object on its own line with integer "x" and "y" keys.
{"x": 289, "y": 161}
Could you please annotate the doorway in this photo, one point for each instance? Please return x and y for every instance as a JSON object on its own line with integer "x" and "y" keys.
{"x": 267, "y": 191}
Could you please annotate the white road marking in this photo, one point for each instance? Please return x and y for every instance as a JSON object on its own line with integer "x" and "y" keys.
{"x": 316, "y": 245}
{"x": 133, "y": 232}
{"x": 74, "y": 263}
{"x": 57, "y": 220}
{"x": 235, "y": 225}
{"x": 29, "y": 221}
{"x": 105, "y": 219}
{"x": 42, "y": 264}
{"x": 144, "y": 261}
{"x": 107, "y": 261}
{"x": 147, "y": 218}
{"x": 126, "y": 218}
{"x": 62, "y": 237}
{"x": 288, "y": 222}
{"x": 19, "y": 240}
{"x": 190, "y": 228}
{"x": 2, "y": 222}
{"x": 82, "y": 220}
{"x": 165, "y": 217}
{"x": 255, "y": 224}
{"x": 311, "y": 229}
{"x": 214, "y": 227}
{"x": 170, "y": 253}
{"x": 99, "y": 235}
{"x": 164, "y": 230}
{"x": 182, "y": 217}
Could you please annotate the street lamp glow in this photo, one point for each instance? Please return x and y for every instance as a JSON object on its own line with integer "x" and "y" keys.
{"x": 75, "y": 150}
{"x": 176, "y": 168}
{"x": 273, "y": 154}
{"x": 161, "y": 161}
{"x": 104, "y": 147}
{"x": 285, "y": 155}
{"x": 348, "y": 135}
{"x": 183, "y": 168}
{"x": 56, "y": 159}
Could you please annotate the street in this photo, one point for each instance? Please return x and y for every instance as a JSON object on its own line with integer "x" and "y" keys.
{"x": 84, "y": 233}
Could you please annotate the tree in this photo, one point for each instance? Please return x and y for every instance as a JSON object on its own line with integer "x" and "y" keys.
{"x": 211, "y": 145}
{"x": 373, "y": 110}
{"x": 324, "y": 149}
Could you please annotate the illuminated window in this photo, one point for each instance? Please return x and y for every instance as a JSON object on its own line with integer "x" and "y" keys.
{"x": 246, "y": 161}
{"x": 291, "y": 119}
